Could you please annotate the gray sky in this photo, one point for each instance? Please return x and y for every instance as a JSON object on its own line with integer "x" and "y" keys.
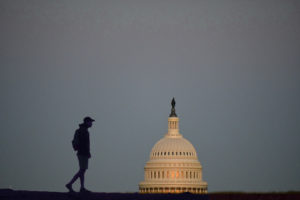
{"x": 233, "y": 67}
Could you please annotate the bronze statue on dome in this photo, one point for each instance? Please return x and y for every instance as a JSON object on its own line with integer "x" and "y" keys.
{"x": 173, "y": 112}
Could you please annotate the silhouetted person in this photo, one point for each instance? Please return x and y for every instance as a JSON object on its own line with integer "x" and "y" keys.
{"x": 81, "y": 144}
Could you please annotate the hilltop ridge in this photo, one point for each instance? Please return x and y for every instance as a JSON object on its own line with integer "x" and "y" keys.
{"x": 9, "y": 194}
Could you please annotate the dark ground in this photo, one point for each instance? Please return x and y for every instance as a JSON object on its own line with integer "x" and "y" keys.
{"x": 7, "y": 194}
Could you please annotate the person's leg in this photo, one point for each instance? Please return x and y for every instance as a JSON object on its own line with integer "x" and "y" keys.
{"x": 83, "y": 167}
{"x": 82, "y": 188}
{"x": 76, "y": 176}
{"x": 81, "y": 176}
{"x": 69, "y": 185}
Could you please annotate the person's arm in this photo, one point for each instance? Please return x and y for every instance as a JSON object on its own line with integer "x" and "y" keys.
{"x": 89, "y": 153}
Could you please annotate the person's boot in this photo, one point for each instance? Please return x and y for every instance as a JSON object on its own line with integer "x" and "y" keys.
{"x": 83, "y": 190}
{"x": 69, "y": 186}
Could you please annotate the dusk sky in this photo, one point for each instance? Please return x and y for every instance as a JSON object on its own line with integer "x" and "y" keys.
{"x": 233, "y": 67}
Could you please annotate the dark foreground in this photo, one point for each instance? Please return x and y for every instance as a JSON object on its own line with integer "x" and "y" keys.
{"x": 7, "y": 194}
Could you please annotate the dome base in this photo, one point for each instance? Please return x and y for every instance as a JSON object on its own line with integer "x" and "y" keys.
{"x": 173, "y": 188}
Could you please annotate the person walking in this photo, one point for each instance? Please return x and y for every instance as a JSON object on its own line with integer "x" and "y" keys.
{"x": 81, "y": 144}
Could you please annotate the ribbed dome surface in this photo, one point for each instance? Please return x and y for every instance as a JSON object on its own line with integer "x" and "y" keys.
{"x": 173, "y": 148}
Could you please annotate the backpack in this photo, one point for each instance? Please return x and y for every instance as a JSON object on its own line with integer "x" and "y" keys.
{"x": 75, "y": 141}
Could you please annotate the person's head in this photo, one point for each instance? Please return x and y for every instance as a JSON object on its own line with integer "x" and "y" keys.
{"x": 88, "y": 121}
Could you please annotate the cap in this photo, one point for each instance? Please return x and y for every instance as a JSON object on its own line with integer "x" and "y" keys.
{"x": 88, "y": 119}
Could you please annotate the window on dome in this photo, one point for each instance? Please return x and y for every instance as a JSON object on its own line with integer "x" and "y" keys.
{"x": 168, "y": 153}
{"x": 154, "y": 174}
{"x": 158, "y": 175}
{"x": 161, "y": 153}
{"x": 187, "y": 153}
{"x": 167, "y": 174}
{"x": 184, "y": 153}
{"x": 172, "y": 174}
{"x": 190, "y": 174}
{"x": 163, "y": 174}
{"x": 176, "y": 153}
{"x": 172, "y": 153}
{"x": 179, "y": 153}
{"x": 165, "y": 153}
{"x": 186, "y": 175}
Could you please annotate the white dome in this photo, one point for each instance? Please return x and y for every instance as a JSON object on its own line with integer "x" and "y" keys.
{"x": 173, "y": 166}
{"x": 173, "y": 148}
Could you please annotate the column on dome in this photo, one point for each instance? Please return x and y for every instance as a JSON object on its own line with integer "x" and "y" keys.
{"x": 173, "y": 126}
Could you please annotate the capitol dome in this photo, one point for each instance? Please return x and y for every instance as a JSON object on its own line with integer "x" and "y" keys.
{"x": 173, "y": 166}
